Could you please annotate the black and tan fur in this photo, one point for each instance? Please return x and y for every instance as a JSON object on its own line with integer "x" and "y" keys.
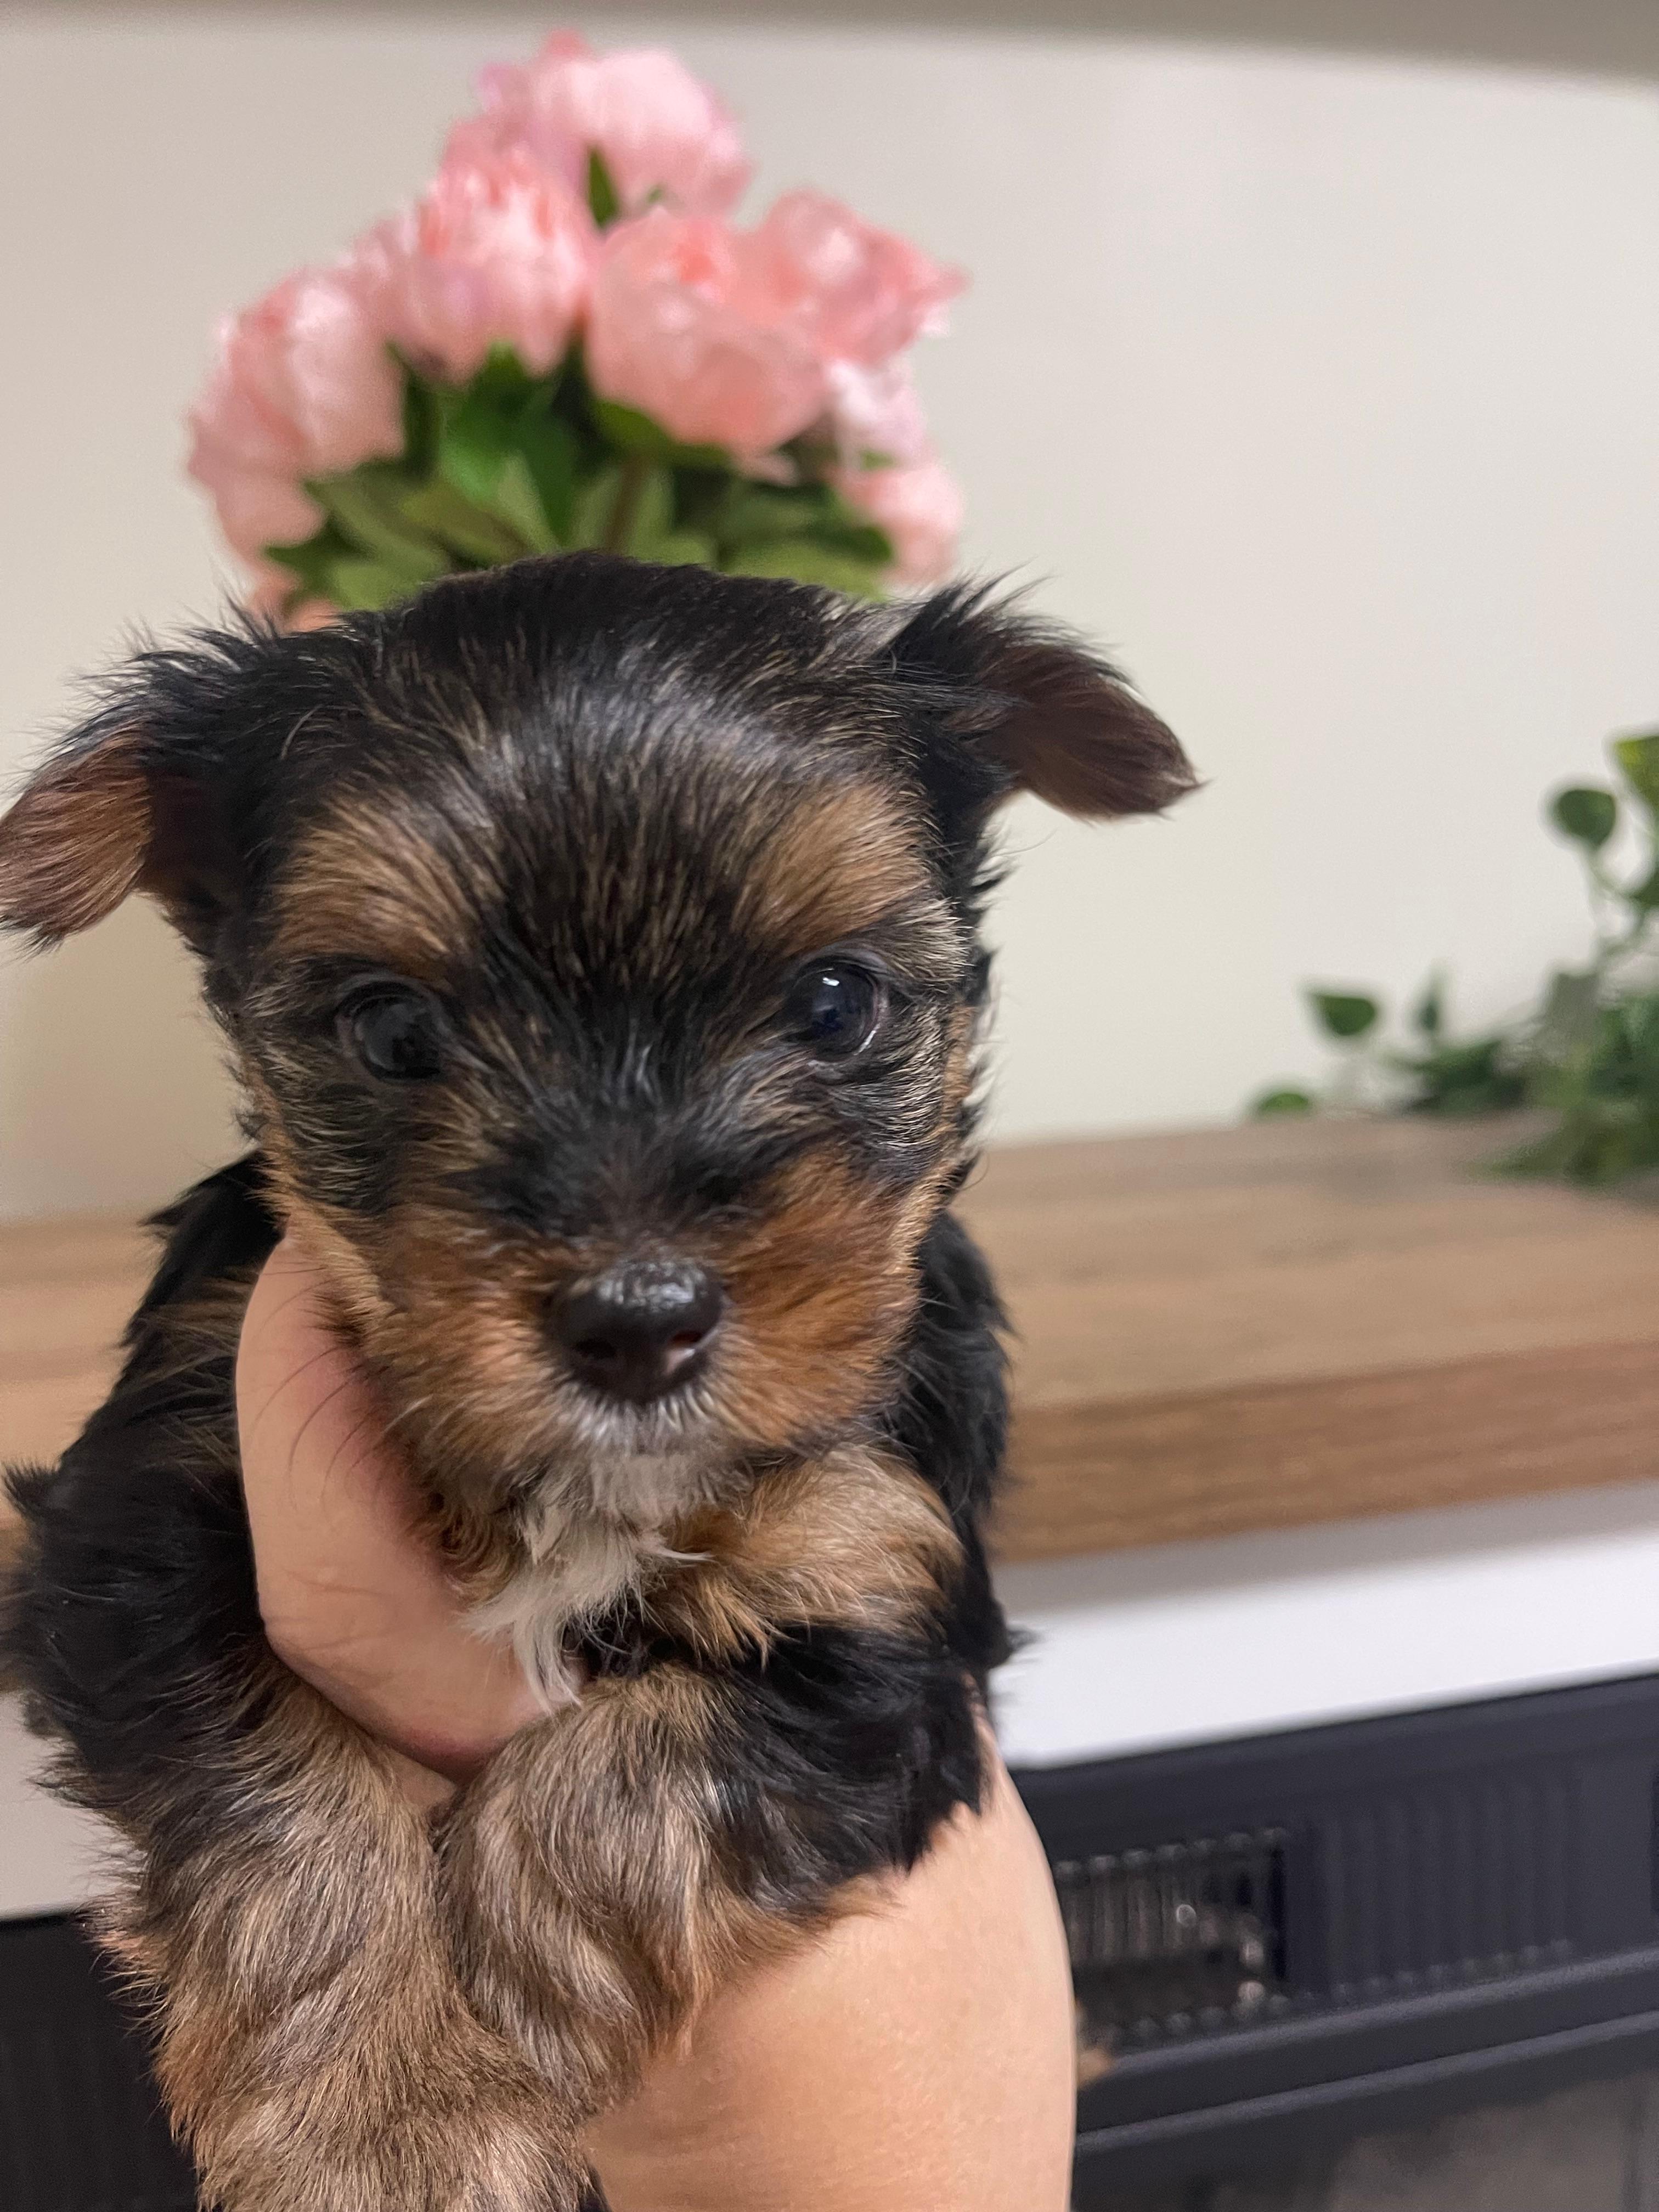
{"x": 602, "y": 818}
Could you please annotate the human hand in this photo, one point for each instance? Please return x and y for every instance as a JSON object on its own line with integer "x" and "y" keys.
{"x": 352, "y": 1599}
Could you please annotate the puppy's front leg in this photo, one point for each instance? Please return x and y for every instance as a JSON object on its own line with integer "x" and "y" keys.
{"x": 618, "y": 1862}
{"x": 314, "y": 2047}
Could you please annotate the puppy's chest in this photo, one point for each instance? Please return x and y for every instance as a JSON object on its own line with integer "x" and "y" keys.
{"x": 578, "y": 1577}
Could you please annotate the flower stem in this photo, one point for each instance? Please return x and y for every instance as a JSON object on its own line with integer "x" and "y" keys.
{"x": 620, "y": 528}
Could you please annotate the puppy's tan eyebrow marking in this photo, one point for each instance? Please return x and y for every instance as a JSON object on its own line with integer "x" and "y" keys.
{"x": 843, "y": 862}
{"x": 374, "y": 879}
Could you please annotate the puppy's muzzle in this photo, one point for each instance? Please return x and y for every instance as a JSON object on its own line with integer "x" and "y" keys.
{"x": 641, "y": 1329}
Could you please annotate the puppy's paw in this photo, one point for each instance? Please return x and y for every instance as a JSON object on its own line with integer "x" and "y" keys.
{"x": 369, "y": 2146}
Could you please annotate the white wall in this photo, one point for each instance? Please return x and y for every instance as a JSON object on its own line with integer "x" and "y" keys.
{"x": 1327, "y": 391}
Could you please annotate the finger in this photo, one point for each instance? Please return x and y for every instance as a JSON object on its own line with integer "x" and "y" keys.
{"x": 353, "y": 1596}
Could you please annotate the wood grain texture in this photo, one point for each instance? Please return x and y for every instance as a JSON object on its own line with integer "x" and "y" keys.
{"x": 1217, "y": 1331}
{"x": 1264, "y": 1326}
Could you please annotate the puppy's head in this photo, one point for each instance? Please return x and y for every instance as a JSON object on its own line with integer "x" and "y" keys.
{"x": 598, "y": 944}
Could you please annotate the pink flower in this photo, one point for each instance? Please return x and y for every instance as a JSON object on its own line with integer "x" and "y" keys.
{"x": 920, "y": 507}
{"x": 656, "y": 128}
{"x": 303, "y": 387}
{"x": 854, "y": 293}
{"x": 496, "y": 253}
{"x": 875, "y": 414}
{"x": 677, "y": 330}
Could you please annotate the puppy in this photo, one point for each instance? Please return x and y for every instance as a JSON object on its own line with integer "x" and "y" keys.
{"x": 598, "y": 948}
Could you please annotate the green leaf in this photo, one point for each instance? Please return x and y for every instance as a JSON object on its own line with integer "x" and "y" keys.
{"x": 1567, "y": 1022}
{"x": 518, "y": 503}
{"x": 751, "y": 515}
{"x": 1645, "y": 895}
{"x": 1428, "y": 1014}
{"x": 652, "y": 515}
{"x": 365, "y": 586}
{"x": 467, "y": 530}
{"x": 548, "y": 447}
{"x": 367, "y": 505}
{"x": 1474, "y": 1078}
{"x": 604, "y": 200}
{"x": 630, "y": 432}
{"x": 1344, "y": 1014}
{"x": 1274, "y": 1104}
{"x": 503, "y": 380}
{"x": 683, "y": 549}
{"x": 421, "y": 420}
{"x": 313, "y": 562}
{"x": 1638, "y": 762}
{"x": 1585, "y": 813}
{"x": 756, "y": 515}
{"x": 473, "y": 447}
{"x": 594, "y": 504}
{"x": 807, "y": 561}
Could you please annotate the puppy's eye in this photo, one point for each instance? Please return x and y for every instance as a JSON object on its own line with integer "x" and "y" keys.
{"x": 834, "y": 1010}
{"x": 394, "y": 1035}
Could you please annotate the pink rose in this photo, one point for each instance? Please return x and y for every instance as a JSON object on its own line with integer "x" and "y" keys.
{"x": 875, "y": 413}
{"x": 497, "y": 251}
{"x": 302, "y": 387}
{"x": 677, "y": 330}
{"x": 656, "y": 128}
{"x": 855, "y": 293}
{"x": 920, "y": 507}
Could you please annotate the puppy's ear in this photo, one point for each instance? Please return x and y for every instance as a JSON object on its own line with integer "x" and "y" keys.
{"x": 1037, "y": 711}
{"x": 109, "y": 813}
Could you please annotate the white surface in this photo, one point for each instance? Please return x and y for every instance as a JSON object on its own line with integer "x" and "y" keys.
{"x": 1186, "y": 1643}
{"x": 1322, "y": 389}
{"x": 1193, "y": 1642}
{"x": 50, "y": 1857}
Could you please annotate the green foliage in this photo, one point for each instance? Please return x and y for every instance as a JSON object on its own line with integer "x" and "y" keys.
{"x": 1585, "y": 1054}
{"x": 1585, "y": 813}
{"x": 604, "y": 200}
{"x": 511, "y": 464}
{"x": 1287, "y": 1100}
{"x": 1344, "y": 1015}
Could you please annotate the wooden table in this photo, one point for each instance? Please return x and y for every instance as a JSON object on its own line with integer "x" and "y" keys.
{"x": 1225, "y": 1330}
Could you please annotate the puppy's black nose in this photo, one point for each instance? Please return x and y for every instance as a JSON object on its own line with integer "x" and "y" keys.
{"x": 640, "y": 1330}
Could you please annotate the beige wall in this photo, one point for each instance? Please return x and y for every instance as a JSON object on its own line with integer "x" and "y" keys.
{"x": 1326, "y": 391}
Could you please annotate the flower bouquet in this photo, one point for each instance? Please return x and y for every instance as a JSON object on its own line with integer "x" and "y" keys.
{"x": 568, "y": 342}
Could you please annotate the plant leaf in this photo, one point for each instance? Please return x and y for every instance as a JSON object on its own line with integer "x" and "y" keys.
{"x": 422, "y": 415}
{"x": 1568, "y": 1020}
{"x": 1273, "y": 1103}
{"x": 652, "y": 517}
{"x": 367, "y": 505}
{"x": 604, "y": 200}
{"x": 313, "y": 562}
{"x": 592, "y": 505}
{"x": 471, "y": 535}
{"x": 548, "y": 447}
{"x": 1344, "y": 1014}
{"x": 630, "y": 432}
{"x": 1428, "y": 1014}
{"x": 474, "y": 442}
{"x": 365, "y": 586}
{"x": 683, "y": 549}
{"x": 518, "y": 503}
{"x": 1586, "y": 813}
{"x": 807, "y": 561}
{"x": 1638, "y": 762}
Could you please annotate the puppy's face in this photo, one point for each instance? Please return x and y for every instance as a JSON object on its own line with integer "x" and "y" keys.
{"x": 599, "y": 945}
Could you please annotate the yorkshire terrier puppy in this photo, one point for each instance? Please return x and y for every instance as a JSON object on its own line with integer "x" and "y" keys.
{"x": 598, "y": 948}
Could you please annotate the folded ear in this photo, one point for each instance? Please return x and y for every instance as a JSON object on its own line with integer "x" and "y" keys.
{"x": 108, "y": 814}
{"x": 1038, "y": 711}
